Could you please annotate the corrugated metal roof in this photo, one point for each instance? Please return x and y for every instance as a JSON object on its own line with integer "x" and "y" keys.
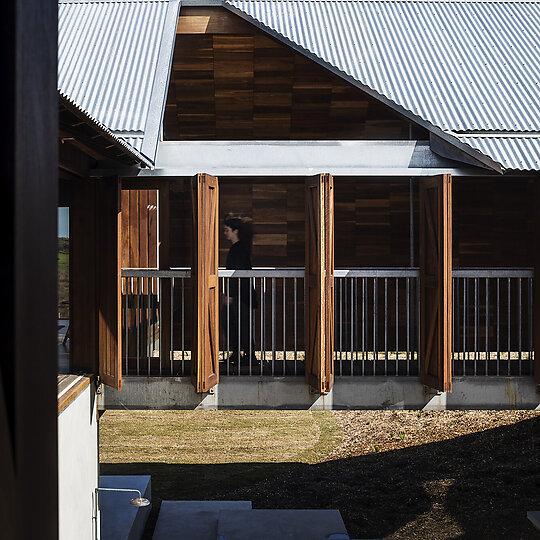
{"x": 130, "y": 149}
{"x": 457, "y": 66}
{"x": 112, "y": 59}
{"x": 519, "y": 153}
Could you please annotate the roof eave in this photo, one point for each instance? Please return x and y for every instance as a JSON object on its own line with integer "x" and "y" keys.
{"x": 482, "y": 159}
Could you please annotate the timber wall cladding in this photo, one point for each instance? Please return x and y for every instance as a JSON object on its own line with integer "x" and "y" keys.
{"x": 231, "y": 81}
{"x": 493, "y": 222}
{"x": 139, "y": 228}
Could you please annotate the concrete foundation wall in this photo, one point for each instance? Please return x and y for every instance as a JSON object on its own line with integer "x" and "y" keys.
{"x": 78, "y": 467}
{"x": 348, "y": 393}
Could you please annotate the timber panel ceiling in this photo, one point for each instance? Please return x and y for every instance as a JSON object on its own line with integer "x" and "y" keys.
{"x": 231, "y": 81}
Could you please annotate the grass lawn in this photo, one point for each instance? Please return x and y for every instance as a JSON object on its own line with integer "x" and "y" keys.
{"x": 392, "y": 474}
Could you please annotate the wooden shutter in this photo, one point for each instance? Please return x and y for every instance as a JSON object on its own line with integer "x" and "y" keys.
{"x": 320, "y": 282}
{"x": 108, "y": 201}
{"x": 436, "y": 282}
{"x": 204, "y": 275}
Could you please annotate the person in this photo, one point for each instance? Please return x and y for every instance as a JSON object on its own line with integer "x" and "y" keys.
{"x": 236, "y": 305}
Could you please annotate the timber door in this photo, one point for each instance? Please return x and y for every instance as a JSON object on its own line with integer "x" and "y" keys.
{"x": 204, "y": 275}
{"x": 436, "y": 282}
{"x": 320, "y": 282}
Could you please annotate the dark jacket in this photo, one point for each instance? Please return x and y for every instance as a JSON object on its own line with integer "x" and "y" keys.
{"x": 239, "y": 258}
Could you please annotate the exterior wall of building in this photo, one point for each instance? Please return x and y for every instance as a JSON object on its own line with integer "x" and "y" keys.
{"x": 78, "y": 467}
{"x": 231, "y": 81}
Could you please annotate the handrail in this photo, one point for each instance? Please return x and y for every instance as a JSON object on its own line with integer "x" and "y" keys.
{"x": 368, "y": 272}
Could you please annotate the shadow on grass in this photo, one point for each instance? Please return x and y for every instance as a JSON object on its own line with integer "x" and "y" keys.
{"x": 477, "y": 486}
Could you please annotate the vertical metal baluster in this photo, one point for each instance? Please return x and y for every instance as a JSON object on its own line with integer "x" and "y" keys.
{"x": 408, "y": 321}
{"x": 345, "y": 308}
{"x": 228, "y": 328}
{"x": 171, "y": 350}
{"x": 467, "y": 313}
{"x": 153, "y": 304}
{"x": 356, "y": 320}
{"x": 273, "y": 324}
{"x": 147, "y": 329}
{"x": 183, "y": 331}
{"x": 455, "y": 308}
{"x": 340, "y": 324}
{"x": 397, "y": 326}
{"x": 464, "y": 322}
{"x": 508, "y": 289}
{"x": 498, "y": 327}
{"x": 127, "y": 325}
{"x": 375, "y": 320}
{"x": 417, "y": 288}
{"x": 453, "y": 353}
{"x": 476, "y": 316}
{"x": 530, "y": 321}
{"x": 284, "y": 319}
{"x": 352, "y": 323}
{"x": 364, "y": 323}
{"x": 487, "y": 324}
{"x": 263, "y": 322}
{"x": 138, "y": 322}
{"x": 519, "y": 324}
{"x": 295, "y": 321}
{"x": 239, "y": 291}
{"x": 250, "y": 325}
{"x": 386, "y": 326}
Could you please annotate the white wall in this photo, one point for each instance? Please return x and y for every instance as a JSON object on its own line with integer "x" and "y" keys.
{"x": 78, "y": 469}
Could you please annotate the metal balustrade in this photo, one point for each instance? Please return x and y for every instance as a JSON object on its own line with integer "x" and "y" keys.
{"x": 376, "y": 327}
{"x": 376, "y": 321}
{"x": 492, "y": 332}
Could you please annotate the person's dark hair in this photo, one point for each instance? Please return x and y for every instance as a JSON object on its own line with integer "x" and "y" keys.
{"x": 244, "y": 228}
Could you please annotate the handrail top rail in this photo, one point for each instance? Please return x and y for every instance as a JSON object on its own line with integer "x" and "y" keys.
{"x": 365, "y": 272}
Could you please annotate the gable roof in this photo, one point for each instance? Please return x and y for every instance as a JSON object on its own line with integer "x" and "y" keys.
{"x": 469, "y": 71}
{"x": 114, "y": 61}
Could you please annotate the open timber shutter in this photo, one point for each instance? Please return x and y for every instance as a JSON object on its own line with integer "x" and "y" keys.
{"x": 204, "y": 275}
{"x": 108, "y": 274}
{"x": 320, "y": 282}
{"x": 436, "y": 282}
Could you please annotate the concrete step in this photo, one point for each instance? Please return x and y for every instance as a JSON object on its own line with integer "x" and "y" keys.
{"x": 281, "y": 525}
{"x": 534, "y": 518}
{"x": 193, "y": 520}
{"x": 119, "y": 519}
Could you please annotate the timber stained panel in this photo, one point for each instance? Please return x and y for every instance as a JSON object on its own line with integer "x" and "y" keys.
{"x": 139, "y": 223}
{"x": 436, "y": 282}
{"x": 232, "y": 81}
{"x": 205, "y": 336}
{"x": 320, "y": 283}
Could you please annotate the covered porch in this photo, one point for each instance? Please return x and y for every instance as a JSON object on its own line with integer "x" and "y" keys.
{"x": 378, "y": 223}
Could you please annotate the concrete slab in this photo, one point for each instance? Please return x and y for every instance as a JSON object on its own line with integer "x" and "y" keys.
{"x": 119, "y": 519}
{"x": 281, "y": 525}
{"x": 534, "y": 518}
{"x": 192, "y": 520}
{"x": 244, "y": 392}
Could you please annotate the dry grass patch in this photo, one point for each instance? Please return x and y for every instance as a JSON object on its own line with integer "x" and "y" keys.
{"x": 217, "y": 436}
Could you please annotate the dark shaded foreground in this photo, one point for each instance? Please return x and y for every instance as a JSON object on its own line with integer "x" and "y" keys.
{"x": 476, "y": 486}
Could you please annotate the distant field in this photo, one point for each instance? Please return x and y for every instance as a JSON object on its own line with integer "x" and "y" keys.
{"x": 63, "y": 278}
{"x": 392, "y": 474}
